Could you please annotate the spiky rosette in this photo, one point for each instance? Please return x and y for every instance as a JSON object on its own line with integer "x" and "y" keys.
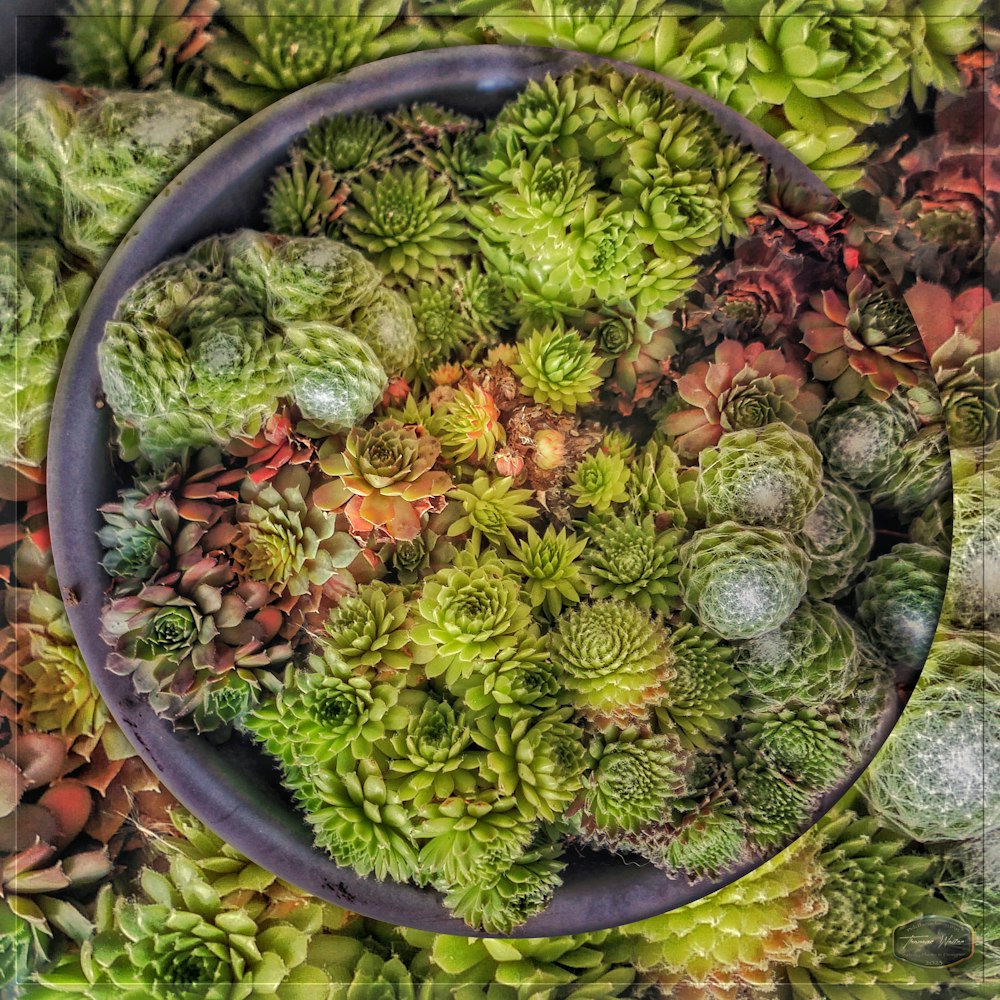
{"x": 923, "y": 473}
{"x": 304, "y": 201}
{"x": 538, "y": 759}
{"x": 385, "y": 479}
{"x": 371, "y": 629}
{"x": 805, "y": 745}
{"x": 404, "y": 220}
{"x": 707, "y": 937}
{"x": 550, "y": 565}
{"x": 811, "y": 657}
{"x": 573, "y": 967}
{"x": 492, "y": 511}
{"x": 512, "y": 895}
{"x": 899, "y": 600}
{"x": 467, "y": 423}
{"x": 861, "y": 439}
{"x": 706, "y": 843}
{"x": 132, "y": 47}
{"x": 768, "y": 476}
{"x": 346, "y": 144}
{"x": 598, "y": 481}
{"x": 557, "y": 368}
{"x": 630, "y": 779}
{"x": 443, "y": 327}
{"x": 631, "y": 560}
{"x": 837, "y": 536}
{"x": 742, "y": 582}
{"x": 614, "y": 659}
{"x": 263, "y": 55}
{"x": 745, "y": 386}
{"x": 283, "y": 539}
{"x": 931, "y": 779}
{"x": 870, "y": 886}
{"x": 468, "y": 613}
{"x": 700, "y": 700}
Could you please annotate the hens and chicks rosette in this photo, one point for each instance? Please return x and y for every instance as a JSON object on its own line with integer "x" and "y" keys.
{"x": 563, "y": 480}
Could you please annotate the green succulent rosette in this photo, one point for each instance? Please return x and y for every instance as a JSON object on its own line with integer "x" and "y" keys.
{"x": 512, "y": 895}
{"x": 347, "y": 144}
{"x": 549, "y": 565}
{"x": 837, "y": 536}
{"x": 613, "y": 658}
{"x": 468, "y": 613}
{"x": 468, "y": 424}
{"x": 387, "y": 326}
{"x": 493, "y": 511}
{"x": 742, "y": 582}
{"x": 631, "y": 560}
{"x": 899, "y": 600}
{"x": 861, "y": 439}
{"x": 806, "y": 745}
{"x": 812, "y": 657}
{"x": 630, "y": 779}
{"x": 371, "y": 630}
{"x": 474, "y": 836}
{"x": 598, "y": 481}
{"x": 536, "y": 759}
{"x": 701, "y": 700}
{"x": 405, "y": 221}
{"x": 769, "y": 476}
{"x": 871, "y": 885}
{"x": 557, "y": 368}
{"x": 358, "y": 817}
{"x": 575, "y": 967}
{"x": 260, "y": 56}
{"x": 326, "y": 717}
{"x": 179, "y": 939}
{"x": 431, "y": 759}
{"x": 40, "y": 296}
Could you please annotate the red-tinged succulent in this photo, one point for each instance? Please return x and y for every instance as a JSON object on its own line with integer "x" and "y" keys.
{"x": 867, "y": 341}
{"x": 466, "y": 421}
{"x": 940, "y": 314}
{"x": 197, "y": 641}
{"x": 42, "y": 813}
{"x": 275, "y": 446}
{"x": 746, "y": 386}
{"x": 385, "y": 479}
{"x": 756, "y": 296}
{"x": 636, "y": 354}
{"x": 795, "y": 218}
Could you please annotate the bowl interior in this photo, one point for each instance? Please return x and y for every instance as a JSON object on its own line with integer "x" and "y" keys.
{"x": 232, "y": 787}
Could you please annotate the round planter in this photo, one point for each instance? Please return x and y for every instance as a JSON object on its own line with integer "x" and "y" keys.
{"x": 232, "y": 787}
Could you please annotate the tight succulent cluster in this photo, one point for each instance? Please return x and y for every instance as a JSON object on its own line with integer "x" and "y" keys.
{"x": 391, "y": 524}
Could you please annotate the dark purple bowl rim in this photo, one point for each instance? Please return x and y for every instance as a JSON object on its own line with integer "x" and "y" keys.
{"x": 229, "y": 787}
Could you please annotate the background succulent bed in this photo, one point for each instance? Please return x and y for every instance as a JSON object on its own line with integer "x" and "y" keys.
{"x": 516, "y": 491}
